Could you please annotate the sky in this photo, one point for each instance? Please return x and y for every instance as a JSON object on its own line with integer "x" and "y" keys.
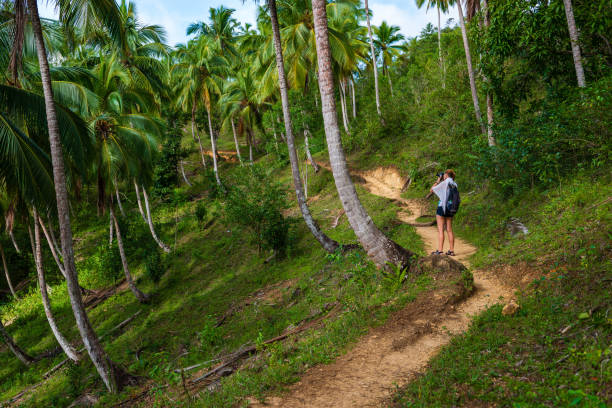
{"x": 176, "y": 15}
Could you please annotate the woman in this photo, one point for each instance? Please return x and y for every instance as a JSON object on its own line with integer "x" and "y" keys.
{"x": 440, "y": 188}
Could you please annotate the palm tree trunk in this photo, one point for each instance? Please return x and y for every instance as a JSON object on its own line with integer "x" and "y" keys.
{"x": 10, "y": 233}
{"x": 51, "y": 246}
{"x": 353, "y": 97}
{"x": 110, "y": 231}
{"x": 101, "y": 194}
{"x": 490, "y": 136}
{"x": 142, "y": 214}
{"x": 440, "y": 50}
{"x": 193, "y": 113}
{"x": 142, "y": 298}
{"x": 343, "y": 108}
{"x": 390, "y": 83}
{"x": 367, "y": 12}
{"x": 52, "y": 234}
{"x": 70, "y": 351}
{"x": 6, "y": 273}
{"x": 213, "y": 142}
{"x": 119, "y": 202}
{"x": 183, "y": 173}
{"x": 236, "y": 141}
{"x": 468, "y": 57}
{"x": 15, "y": 349}
{"x": 379, "y": 248}
{"x": 163, "y": 246}
{"x": 311, "y": 159}
{"x": 573, "y": 33}
{"x": 326, "y": 242}
{"x": 201, "y": 151}
{"x": 90, "y": 339}
{"x": 250, "y": 142}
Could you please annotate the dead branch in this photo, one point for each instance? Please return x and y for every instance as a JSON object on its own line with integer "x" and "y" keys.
{"x": 337, "y": 219}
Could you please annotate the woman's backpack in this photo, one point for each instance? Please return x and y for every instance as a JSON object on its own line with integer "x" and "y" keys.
{"x": 453, "y": 201}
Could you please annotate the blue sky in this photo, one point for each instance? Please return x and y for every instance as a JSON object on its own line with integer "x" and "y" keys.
{"x": 176, "y": 15}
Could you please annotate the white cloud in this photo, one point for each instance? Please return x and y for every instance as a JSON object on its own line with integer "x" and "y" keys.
{"x": 408, "y": 17}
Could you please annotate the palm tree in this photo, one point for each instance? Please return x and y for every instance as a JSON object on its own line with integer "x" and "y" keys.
{"x": 221, "y": 29}
{"x": 386, "y": 41}
{"x": 468, "y": 58}
{"x": 90, "y": 339}
{"x": 441, "y": 6}
{"x": 374, "y": 68}
{"x": 573, "y": 33}
{"x": 380, "y": 248}
{"x": 328, "y": 244}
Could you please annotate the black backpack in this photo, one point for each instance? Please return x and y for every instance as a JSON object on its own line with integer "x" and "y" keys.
{"x": 453, "y": 201}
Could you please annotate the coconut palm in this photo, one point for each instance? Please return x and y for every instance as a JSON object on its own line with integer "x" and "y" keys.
{"x": 374, "y": 67}
{"x": 221, "y": 29}
{"x": 441, "y": 7}
{"x": 380, "y": 248}
{"x": 573, "y": 33}
{"x": 387, "y": 43}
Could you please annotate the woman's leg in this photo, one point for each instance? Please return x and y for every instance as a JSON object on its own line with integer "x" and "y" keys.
{"x": 440, "y": 221}
{"x": 451, "y": 235}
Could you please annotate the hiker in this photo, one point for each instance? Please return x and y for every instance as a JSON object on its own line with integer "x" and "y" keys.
{"x": 444, "y": 214}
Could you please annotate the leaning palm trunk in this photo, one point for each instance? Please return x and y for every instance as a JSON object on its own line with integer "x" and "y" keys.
{"x": 468, "y": 57}
{"x": 573, "y": 33}
{"x": 15, "y": 349}
{"x": 183, "y": 173}
{"x": 119, "y": 202}
{"x": 52, "y": 234}
{"x": 236, "y": 142}
{"x": 374, "y": 68}
{"x": 142, "y": 298}
{"x": 343, "y": 106}
{"x": 213, "y": 143}
{"x": 70, "y": 351}
{"x": 193, "y": 112}
{"x": 14, "y": 241}
{"x": 379, "y": 248}
{"x": 110, "y": 231}
{"x": 328, "y": 244}
{"x": 163, "y": 246}
{"x": 142, "y": 214}
{"x": 250, "y": 142}
{"x": 353, "y": 97}
{"x": 89, "y": 337}
{"x": 6, "y": 273}
{"x": 311, "y": 159}
{"x": 51, "y": 245}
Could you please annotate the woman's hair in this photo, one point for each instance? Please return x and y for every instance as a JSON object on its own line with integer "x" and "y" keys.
{"x": 451, "y": 173}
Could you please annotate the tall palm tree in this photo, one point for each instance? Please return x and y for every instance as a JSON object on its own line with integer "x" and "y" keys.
{"x": 328, "y": 244}
{"x": 441, "y": 6}
{"x": 90, "y": 339}
{"x": 573, "y": 33}
{"x": 379, "y": 248}
{"x": 468, "y": 58}
{"x": 374, "y": 68}
{"x": 387, "y": 42}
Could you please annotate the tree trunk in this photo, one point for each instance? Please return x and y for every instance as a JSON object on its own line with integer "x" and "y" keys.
{"x": 374, "y": 67}
{"x": 183, "y": 173}
{"x": 6, "y": 273}
{"x": 110, "y": 231}
{"x": 119, "y": 202}
{"x": 236, "y": 142}
{"x": 142, "y": 298}
{"x": 70, "y": 351}
{"x": 490, "y": 137}
{"x": 52, "y": 234}
{"x": 390, "y": 83}
{"x": 10, "y": 233}
{"x": 312, "y": 161}
{"x": 250, "y": 142}
{"x": 468, "y": 57}
{"x": 163, "y": 246}
{"x": 142, "y": 214}
{"x": 353, "y": 97}
{"x": 379, "y": 248}
{"x": 101, "y": 194}
{"x": 193, "y": 113}
{"x": 90, "y": 339}
{"x": 328, "y": 244}
{"x": 51, "y": 246}
{"x": 440, "y": 58}
{"x": 15, "y": 349}
{"x": 573, "y": 33}
{"x": 343, "y": 108}
{"x": 213, "y": 142}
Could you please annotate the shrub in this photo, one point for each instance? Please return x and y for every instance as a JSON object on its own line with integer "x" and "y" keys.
{"x": 106, "y": 261}
{"x": 154, "y": 267}
{"x": 201, "y": 212}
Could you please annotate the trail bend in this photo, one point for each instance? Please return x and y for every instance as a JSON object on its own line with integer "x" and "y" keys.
{"x": 369, "y": 372}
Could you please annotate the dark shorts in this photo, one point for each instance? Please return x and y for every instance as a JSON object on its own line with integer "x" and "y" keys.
{"x": 440, "y": 212}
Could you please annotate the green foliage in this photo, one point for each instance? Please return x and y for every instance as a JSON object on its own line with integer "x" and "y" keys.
{"x": 210, "y": 335}
{"x": 395, "y": 275}
{"x": 166, "y": 170}
{"x": 201, "y": 212}
{"x": 154, "y": 266}
{"x": 256, "y": 202}
{"x": 106, "y": 262}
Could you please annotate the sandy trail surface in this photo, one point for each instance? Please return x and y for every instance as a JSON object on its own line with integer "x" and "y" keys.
{"x": 390, "y": 356}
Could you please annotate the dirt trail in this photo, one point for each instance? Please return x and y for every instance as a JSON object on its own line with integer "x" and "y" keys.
{"x": 369, "y": 372}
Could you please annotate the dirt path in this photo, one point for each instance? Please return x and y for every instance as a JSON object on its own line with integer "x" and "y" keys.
{"x": 369, "y": 372}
